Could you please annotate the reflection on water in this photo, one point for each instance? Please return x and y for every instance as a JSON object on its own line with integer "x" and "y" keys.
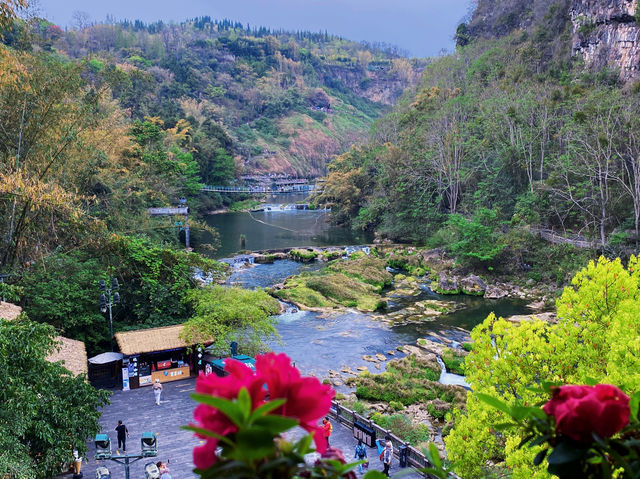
{"x": 280, "y": 229}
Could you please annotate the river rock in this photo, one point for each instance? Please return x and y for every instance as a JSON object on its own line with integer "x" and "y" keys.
{"x": 333, "y": 374}
{"x": 362, "y": 368}
{"x": 263, "y": 258}
{"x": 391, "y": 353}
{"x": 371, "y": 359}
{"x": 447, "y": 284}
{"x": 419, "y": 352}
{"x": 548, "y": 317}
{"x": 431, "y": 346}
{"x": 473, "y": 285}
{"x": 495, "y": 292}
{"x": 381, "y": 357}
{"x": 377, "y": 365}
{"x": 337, "y": 382}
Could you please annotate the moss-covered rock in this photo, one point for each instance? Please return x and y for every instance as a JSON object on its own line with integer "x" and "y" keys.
{"x": 367, "y": 269}
{"x": 328, "y": 289}
{"x": 331, "y": 255}
{"x": 303, "y": 255}
{"x": 409, "y": 380}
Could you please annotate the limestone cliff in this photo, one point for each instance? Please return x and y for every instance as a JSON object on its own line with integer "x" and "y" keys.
{"x": 605, "y": 33}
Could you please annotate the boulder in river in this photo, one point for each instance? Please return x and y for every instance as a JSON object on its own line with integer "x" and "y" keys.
{"x": 548, "y": 317}
{"x": 495, "y": 292}
{"x": 473, "y": 285}
{"x": 447, "y": 284}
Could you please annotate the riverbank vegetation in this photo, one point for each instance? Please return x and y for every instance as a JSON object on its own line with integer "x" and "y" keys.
{"x": 505, "y": 141}
{"x": 594, "y": 340}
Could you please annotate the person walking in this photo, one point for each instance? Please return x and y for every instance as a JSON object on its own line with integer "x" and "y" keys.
{"x": 77, "y": 463}
{"x": 387, "y": 455}
{"x": 326, "y": 429}
{"x": 123, "y": 434}
{"x": 157, "y": 391}
{"x": 163, "y": 467}
{"x": 360, "y": 454}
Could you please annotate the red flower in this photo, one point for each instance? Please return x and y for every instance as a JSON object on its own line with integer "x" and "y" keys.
{"x": 307, "y": 400}
{"x": 581, "y": 410}
{"x": 212, "y": 419}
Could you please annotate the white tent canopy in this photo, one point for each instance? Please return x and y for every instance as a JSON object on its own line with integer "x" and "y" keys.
{"x": 105, "y": 358}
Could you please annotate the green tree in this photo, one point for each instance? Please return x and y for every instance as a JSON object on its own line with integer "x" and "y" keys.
{"x": 44, "y": 410}
{"x": 596, "y": 337}
{"x": 232, "y": 314}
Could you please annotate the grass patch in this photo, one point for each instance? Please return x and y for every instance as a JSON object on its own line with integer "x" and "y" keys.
{"x": 402, "y": 425}
{"x": 329, "y": 289}
{"x": 409, "y": 262}
{"x": 365, "y": 269}
{"x": 407, "y": 381}
{"x": 244, "y": 205}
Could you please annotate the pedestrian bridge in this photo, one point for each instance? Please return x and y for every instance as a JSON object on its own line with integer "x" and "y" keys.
{"x": 259, "y": 190}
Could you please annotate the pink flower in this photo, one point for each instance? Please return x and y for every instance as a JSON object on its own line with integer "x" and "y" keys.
{"x": 581, "y": 410}
{"x": 210, "y": 418}
{"x": 307, "y": 400}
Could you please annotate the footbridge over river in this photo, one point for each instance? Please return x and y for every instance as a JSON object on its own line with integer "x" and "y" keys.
{"x": 261, "y": 190}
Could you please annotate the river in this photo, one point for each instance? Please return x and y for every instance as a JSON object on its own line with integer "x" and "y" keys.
{"x": 319, "y": 343}
{"x": 280, "y": 228}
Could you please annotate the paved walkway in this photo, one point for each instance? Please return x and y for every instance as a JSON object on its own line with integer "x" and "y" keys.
{"x": 138, "y": 411}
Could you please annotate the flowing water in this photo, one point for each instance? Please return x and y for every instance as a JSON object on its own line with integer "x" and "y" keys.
{"x": 318, "y": 342}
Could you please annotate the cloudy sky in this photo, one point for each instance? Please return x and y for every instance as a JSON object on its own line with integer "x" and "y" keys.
{"x": 421, "y": 27}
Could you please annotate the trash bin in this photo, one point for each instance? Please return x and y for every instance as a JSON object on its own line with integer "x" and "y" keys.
{"x": 403, "y": 455}
{"x": 364, "y": 433}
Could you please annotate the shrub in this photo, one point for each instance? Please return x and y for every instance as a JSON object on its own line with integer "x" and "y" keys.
{"x": 452, "y": 361}
{"x": 402, "y": 425}
{"x": 396, "y": 406}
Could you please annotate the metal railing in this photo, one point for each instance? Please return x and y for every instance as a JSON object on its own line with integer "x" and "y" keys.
{"x": 347, "y": 417}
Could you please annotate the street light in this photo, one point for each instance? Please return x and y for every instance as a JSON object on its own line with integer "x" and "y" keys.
{"x": 148, "y": 444}
{"x": 108, "y": 298}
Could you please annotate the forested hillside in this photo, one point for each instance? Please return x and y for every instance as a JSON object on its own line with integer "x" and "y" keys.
{"x": 508, "y": 135}
{"x": 275, "y": 101}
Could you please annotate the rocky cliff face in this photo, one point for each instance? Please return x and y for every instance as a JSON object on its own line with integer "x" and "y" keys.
{"x": 605, "y": 33}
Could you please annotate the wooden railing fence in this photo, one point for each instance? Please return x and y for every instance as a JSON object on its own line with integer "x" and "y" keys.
{"x": 347, "y": 417}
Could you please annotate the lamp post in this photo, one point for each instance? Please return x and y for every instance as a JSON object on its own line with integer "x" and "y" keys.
{"x": 108, "y": 298}
{"x": 148, "y": 448}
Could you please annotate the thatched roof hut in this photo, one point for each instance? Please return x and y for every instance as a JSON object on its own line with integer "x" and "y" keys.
{"x": 9, "y": 311}
{"x": 73, "y": 355}
{"x": 149, "y": 340}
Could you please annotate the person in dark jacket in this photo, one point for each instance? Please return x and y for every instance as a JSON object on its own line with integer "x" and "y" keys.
{"x": 123, "y": 434}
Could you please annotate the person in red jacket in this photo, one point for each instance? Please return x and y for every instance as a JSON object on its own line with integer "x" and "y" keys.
{"x": 326, "y": 429}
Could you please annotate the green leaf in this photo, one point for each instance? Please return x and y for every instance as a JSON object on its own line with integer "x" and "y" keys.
{"x": 566, "y": 452}
{"x": 540, "y": 457}
{"x": 276, "y": 424}
{"x": 244, "y": 404}
{"x": 253, "y": 444}
{"x": 433, "y": 455}
{"x": 504, "y": 426}
{"x": 589, "y": 381}
{"x": 494, "y": 402}
{"x": 228, "y": 408}
{"x": 266, "y": 408}
{"x": 303, "y": 446}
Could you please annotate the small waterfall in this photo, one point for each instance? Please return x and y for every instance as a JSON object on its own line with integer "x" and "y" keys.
{"x": 352, "y": 249}
{"x": 450, "y": 378}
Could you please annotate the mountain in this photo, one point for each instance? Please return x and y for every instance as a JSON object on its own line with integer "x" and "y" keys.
{"x": 288, "y": 101}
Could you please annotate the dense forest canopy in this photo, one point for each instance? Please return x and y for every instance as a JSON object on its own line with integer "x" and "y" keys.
{"x": 279, "y": 101}
{"x": 510, "y": 124}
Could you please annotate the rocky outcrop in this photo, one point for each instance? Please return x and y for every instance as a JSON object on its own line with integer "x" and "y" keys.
{"x": 605, "y": 33}
{"x": 473, "y": 285}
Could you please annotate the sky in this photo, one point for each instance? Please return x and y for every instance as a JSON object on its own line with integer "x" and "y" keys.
{"x": 420, "y": 27}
